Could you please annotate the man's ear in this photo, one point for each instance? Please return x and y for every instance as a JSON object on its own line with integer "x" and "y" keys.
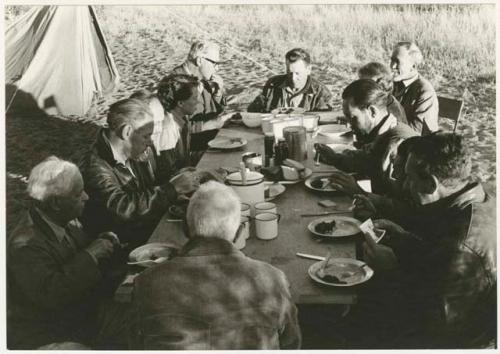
{"x": 309, "y": 67}
{"x": 54, "y": 203}
{"x": 429, "y": 184}
{"x": 197, "y": 62}
{"x": 373, "y": 111}
{"x": 125, "y": 132}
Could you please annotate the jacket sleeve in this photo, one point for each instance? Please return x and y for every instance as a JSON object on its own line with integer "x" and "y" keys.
{"x": 45, "y": 282}
{"x": 323, "y": 101}
{"x": 126, "y": 204}
{"x": 289, "y": 335}
{"x": 259, "y": 104}
{"x": 425, "y": 109}
{"x": 353, "y": 161}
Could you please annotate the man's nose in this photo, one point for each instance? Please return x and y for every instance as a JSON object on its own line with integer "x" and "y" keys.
{"x": 85, "y": 196}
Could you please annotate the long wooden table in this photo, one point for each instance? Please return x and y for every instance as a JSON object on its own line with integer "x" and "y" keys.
{"x": 293, "y": 234}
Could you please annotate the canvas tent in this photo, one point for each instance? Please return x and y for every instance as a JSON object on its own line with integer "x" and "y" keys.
{"x": 57, "y": 55}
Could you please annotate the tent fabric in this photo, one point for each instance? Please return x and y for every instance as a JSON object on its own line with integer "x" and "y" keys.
{"x": 59, "y": 55}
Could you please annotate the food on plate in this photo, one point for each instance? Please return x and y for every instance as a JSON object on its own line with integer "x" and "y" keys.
{"x": 273, "y": 173}
{"x": 338, "y": 273}
{"x": 154, "y": 254}
{"x": 320, "y": 183}
{"x": 325, "y": 227}
{"x": 292, "y": 169}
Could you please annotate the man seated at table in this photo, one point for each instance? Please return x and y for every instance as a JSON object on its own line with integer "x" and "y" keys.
{"x": 296, "y": 88}
{"x": 365, "y": 107}
{"x": 445, "y": 261}
{"x": 203, "y": 62}
{"x": 211, "y": 296}
{"x": 127, "y": 194}
{"x": 55, "y": 272}
{"x": 381, "y": 75}
{"x": 416, "y": 94}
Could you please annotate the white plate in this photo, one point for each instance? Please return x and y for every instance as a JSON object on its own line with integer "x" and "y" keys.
{"x": 275, "y": 189}
{"x": 323, "y": 177}
{"x": 332, "y": 130}
{"x": 352, "y": 271}
{"x": 345, "y": 226}
{"x": 288, "y": 110}
{"x": 224, "y": 143}
{"x": 149, "y": 252}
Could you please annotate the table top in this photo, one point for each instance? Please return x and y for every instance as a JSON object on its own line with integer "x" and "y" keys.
{"x": 293, "y": 234}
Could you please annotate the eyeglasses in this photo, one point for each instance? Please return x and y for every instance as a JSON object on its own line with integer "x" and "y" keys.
{"x": 211, "y": 61}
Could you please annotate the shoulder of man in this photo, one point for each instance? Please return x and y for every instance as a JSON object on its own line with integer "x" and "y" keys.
{"x": 318, "y": 86}
{"x": 275, "y": 81}
{"x": 179, "y": 69}
{"x": 422, "y": 85}
{"x": 25, "y": 232}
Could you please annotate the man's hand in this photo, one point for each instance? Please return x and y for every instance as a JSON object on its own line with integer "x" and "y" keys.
{"x": 219, "y": 84}
{"x": 363, "y": 207}
{"x": 390, "y": 227}
{"x": 100, "y": 248}
{"x": 111, "y": 236}
{"x": 326, "y": 154}
{"x": 345, "y": 183}
{"x": 378, "y": 256}
{"x": 185, "y": 183}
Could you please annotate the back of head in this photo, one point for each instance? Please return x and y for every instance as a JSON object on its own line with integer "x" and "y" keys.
{"x": 51, "y": 178}
{"x": 377, "y": 72}
{"x": 298, "y": 54}
{"x": 365, "y": 93}
{"x": 413, "y": 51}
{"x": 129, "y": 111}
{"x": 175, "y": 88}
{"x": 445, "y": 156}
{"x": 214, "y": 211}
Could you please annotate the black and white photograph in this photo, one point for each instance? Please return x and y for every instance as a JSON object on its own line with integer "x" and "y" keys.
{"x": 250, "y": 176}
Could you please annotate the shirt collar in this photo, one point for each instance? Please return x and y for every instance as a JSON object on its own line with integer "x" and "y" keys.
{"x": 408, "y": 82}
{"x": 117, "y": 155}
{"x": 58, "y": 230}
{"x": 206, "y": 246}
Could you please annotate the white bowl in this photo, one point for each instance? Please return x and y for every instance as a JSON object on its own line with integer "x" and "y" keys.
{"x": 332, "y": 130}
{"x": 252, "y": 120}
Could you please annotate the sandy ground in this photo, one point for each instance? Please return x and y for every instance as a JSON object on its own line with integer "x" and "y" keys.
{"x": 145, "y": 59}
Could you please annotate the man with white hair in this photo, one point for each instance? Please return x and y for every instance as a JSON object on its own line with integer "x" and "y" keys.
{"x": 416, "y": 94}
{"x": 127, "y": 193}
{"x": 54, "y": 271}
{"x": 203, "y": 61}
{"x": 212, "y": 296}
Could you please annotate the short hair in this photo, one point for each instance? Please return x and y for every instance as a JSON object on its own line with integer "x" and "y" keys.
{"x": 444, "y": 155}
{"x": 214, "y": 211}
{"x": 128, "y": 111}
{"x": 298, "y": 54}
{"x": 175, "y": 88}
{"x": 50, "y": 178}
{"x": 377, "y": 72}
{"x": 405, "y": 146}
{"x": 196, "y": 50}
{"x": 413, "y": 51}
{"x": 365, "y": 93}
{"x": 143, "y": 95}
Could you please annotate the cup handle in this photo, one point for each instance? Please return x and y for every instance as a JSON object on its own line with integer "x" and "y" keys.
{"x": 278, "y": 215}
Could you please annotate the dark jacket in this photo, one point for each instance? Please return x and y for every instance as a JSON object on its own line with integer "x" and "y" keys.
{"x": 420, "y": 103}
{"x": 214, "y": 297}
{"x": 374, "y": 158}
{"x": 449, "y": 263}
{"x": 396, "y": 109}
{"x": 128, "y": 205}
{"x": 316, "y": 97}
{"x": 51, "y": 285}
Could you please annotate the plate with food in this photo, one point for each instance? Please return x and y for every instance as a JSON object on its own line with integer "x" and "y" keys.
{"x": 177, "y": 211}
{"x": 340, "y": 272}
{"x": 288, "y": 110}
{"x": 332, "y": 130}
{"x": 340, "y": 148}
{"x": 321, "y": 183}
{"x": 334, "y": 226}
{"x": 152, "y": 253}
{"x": 226, "y": 143}
{"x": 273, "y": 190}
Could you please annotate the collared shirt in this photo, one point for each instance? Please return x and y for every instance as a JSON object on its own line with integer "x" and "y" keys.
{"x": 401, "y": 86}
{"x": 119, "y": 156}
{"x": 293, "y": 97}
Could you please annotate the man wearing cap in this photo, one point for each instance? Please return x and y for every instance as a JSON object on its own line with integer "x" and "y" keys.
{"x": 203, "y": 61}
{"x": 296, "y": 88}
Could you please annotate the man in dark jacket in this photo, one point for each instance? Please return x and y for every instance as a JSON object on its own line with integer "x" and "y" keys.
{"x": 416, "y": 94}
{"x": 127, "y": 195}
{"x": 55, "y": 272}
{"x": 445, "y": 260}
{"x": 212, "y": 296}
{"x": 296, "y": 88}
{"x": 365, "y": 106}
